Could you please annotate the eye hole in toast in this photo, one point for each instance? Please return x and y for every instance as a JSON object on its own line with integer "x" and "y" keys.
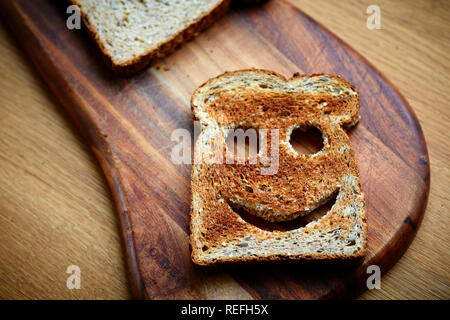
{"x": 307, "y": 141}
{"x": 297, "y": 223}
{"x": 243, "y": 142}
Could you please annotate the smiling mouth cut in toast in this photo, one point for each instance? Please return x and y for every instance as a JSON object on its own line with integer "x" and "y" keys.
{"x": 290, "y": 225}
{"x": 240, "y": 214}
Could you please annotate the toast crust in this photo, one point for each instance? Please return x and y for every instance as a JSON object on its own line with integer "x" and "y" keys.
{"x": 264, "y": 99}
{"x": 138, "y": 63}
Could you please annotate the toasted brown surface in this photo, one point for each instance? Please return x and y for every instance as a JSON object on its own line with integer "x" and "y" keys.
{"x": 262, "y": 99}
{"x": 140, "y": 59}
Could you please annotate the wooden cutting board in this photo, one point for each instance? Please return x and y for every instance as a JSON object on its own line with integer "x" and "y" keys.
{"x": 128, "y": 124}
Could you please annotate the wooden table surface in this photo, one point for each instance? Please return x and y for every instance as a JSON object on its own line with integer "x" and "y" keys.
{"x": 56, "y": 209}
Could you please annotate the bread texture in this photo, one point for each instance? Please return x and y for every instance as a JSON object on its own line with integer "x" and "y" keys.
{"x": 133, "y": 33}
{"x": 302, "y": 184}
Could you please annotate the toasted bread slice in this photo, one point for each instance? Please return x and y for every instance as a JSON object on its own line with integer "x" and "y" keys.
{"x": 301, "y": 184}
{"x": 132, "y": 33}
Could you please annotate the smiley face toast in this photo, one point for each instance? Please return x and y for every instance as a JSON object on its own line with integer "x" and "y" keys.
{"x": 276, "y": 185}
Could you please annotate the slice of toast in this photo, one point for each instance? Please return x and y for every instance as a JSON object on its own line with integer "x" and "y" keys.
{"x": 297, "y": 189}
{"x": 132, "y": 33}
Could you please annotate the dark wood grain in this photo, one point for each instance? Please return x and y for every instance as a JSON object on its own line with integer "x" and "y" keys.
{"x": 128, "y": 124}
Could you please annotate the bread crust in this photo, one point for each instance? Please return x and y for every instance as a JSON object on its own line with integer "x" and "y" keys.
{"x": 136, "y": 64}
{"x": 218, "y": 233}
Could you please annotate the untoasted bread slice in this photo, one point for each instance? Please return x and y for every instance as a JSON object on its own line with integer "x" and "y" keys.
{"x": 262, "y": 99}
{"x": 132, "y": 33}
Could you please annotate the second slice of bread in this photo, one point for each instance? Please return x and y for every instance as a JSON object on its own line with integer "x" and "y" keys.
{"x": 132, "y": 33}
